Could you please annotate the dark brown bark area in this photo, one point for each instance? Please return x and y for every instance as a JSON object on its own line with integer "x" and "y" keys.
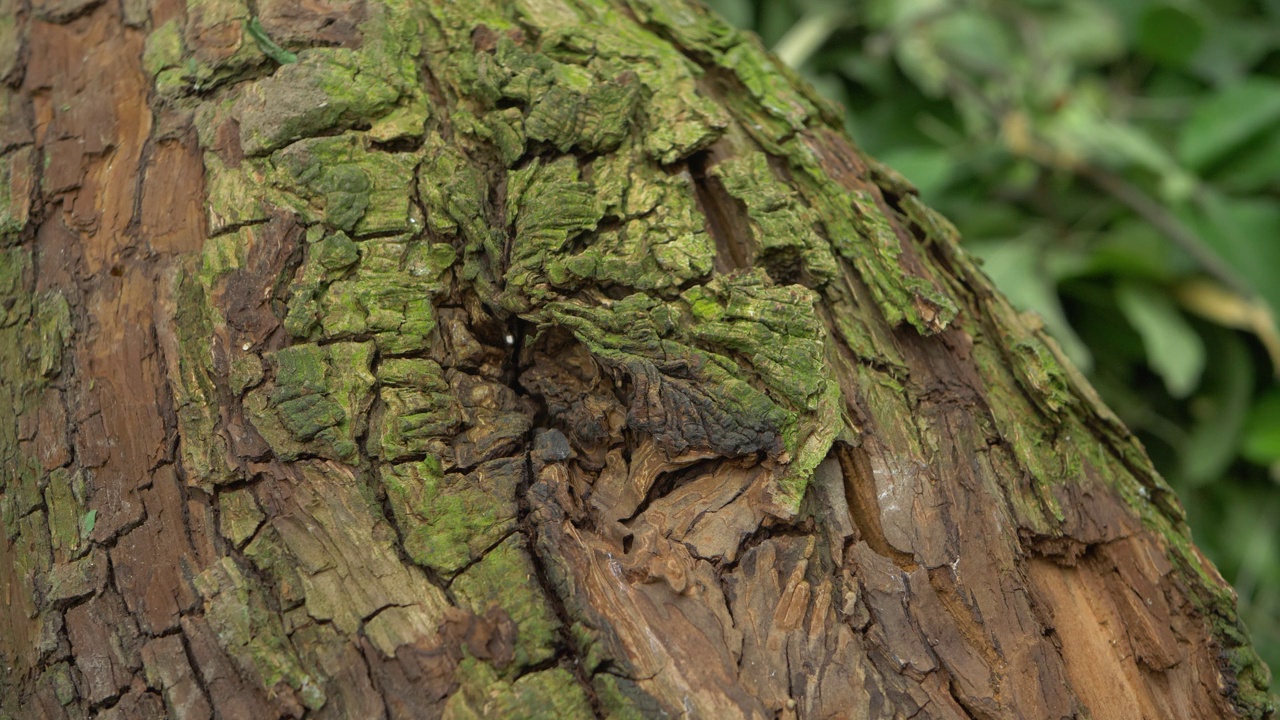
{"x": 928, "y": 572}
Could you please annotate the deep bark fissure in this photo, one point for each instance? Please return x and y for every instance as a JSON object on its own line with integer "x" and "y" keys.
{"x": 719, "y": 210}
{"x": 567, "y": 654}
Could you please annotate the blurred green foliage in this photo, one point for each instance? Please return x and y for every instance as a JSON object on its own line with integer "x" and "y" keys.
{"x": 1117, "y": 165}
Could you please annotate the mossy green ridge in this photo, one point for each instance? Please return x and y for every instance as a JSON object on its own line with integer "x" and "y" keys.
{"x": 269, "y": 555}
{"x": 773, "y": 101}
{"x": 342, "y": 182}
{"x": 53, "y": 326}
{"x": 858, "y": 229}
{"x": 201, "y": 447}
{"x": 622, "y": 699}
{"x": 784, "y": 228}
{"x": 593, "y": 77}
{"x": 661, "y": 239}
{"x": 785, "y": 108}
{"x": 456, "y": 198}
{"x": 689, "y": 399}
{"x": 252, "y": 633}
{"x": 448, "y": 520}
{"x": 690, "y": 392}
{"x": 588, "y": 106}
{"x": 235, "y": 196}
{"x": 548, "y": 205}
{"x": 380, "y": 287}
{"x": 34, "y": 330}
{"x": 506, "y": 577}
{"x": 64, "y": 497}
{"x": 1060, "y": 433}
{"x": 690, "y": 25}
{"x": 318, "y": 402}
{"x": 15, "y": 269}
{"x": 238, "y": 515}
{"x": 778, "y": 332}
{"x": 417, "y": 407}
{"x": 163, "y": 50}
{"x": 17, "y": 179}
{"x": 337, "y": 180}
{"x": 656, "y": 239}
{"x": 695, "y": 364}
{"x": 326, "y": 89}
{"x": 545, "y": 695}
{"x": 774, "y": 107}
{"x": 40, "y": 507}
{"x": 21, "y": 484}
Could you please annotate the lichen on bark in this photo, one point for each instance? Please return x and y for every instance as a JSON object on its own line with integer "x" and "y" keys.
{"x": 544, "y": 358}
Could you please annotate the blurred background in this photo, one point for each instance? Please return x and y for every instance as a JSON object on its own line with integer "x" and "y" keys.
{"x": 1116, "y": 163}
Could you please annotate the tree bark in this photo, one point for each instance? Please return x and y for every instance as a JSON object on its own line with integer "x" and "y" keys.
{"x": 540, "y": 358}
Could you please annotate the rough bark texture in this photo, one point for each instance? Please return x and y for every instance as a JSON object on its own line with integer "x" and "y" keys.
{"x": 543, "y": 358}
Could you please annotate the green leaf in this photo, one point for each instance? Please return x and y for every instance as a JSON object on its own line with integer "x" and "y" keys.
{"x": 1133, "y": 249}
{"x": 88, "y": 521}
{"x": 1220, "y": 412}
{"x": 901, "y": 15}
{"x": 1082, "y": 32}
{"x": 1082, "y": 128}
{"x": 1175, "y": 351}
{"x": 1224, "y": 122}
{"x": 975, "y": 39}
{"x": 739, "y": 13}
{"x": 1170, "y": 34}
{"x": 1255, "y": 168}
{"x": 928, "y": 167}
{"x": 1245, "y": 233}
{"x": 1233, "y": 46}
{"x": 1015, "y": 267}
{"x": 775, "y": 18}
{"x": 1262, "y": 430}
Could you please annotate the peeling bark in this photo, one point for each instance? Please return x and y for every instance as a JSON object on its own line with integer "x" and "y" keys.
{"x": 543, "y": 358}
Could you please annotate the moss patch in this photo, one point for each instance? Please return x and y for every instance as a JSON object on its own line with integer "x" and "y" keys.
{"x": 447, "y": 520}
{"x": 546, "y": 695}
{"x": 505, "y": 577}
{"x": 317, "y": 403}
{"x": 252, "y": 633}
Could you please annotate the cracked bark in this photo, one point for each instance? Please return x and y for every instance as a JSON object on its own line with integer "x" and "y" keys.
{"x": 551, "y": 358}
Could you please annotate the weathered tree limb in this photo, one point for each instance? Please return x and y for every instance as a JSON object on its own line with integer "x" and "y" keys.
{"x": 543, "y": 358}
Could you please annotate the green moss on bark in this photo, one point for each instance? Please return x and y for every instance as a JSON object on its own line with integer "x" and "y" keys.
{"x": 318, "y": 402}
{"x": 784, "y": 229}
{"x": 554, "y": 160}
{"x": 388, "y": 294}
{"x": 545, "y": 695}
{"x": 17, "y": 180}
{"x": 189, "y": 358}
{"x": 417, "y": 406}
{"x": 448, "y": 520}
{"x": 327, "y": 89}
{"x": 252, "y": 633}
{"x": 506, "y": 577}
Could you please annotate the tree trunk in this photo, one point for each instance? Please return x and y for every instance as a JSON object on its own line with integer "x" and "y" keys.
{"x": 541, "y": 358}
